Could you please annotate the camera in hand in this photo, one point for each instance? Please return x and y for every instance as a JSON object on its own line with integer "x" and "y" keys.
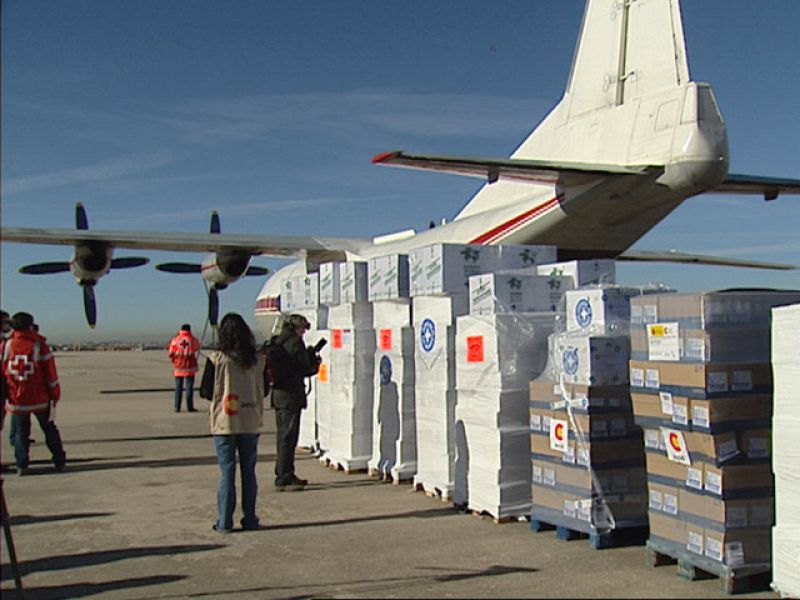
{"x": 320, "y": 345}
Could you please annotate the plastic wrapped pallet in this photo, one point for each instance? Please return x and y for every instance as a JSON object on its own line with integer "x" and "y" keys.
{"x": 496, "y": 356}
{"x": 701, "y": 385}
{"x": 352, "y": 357}
{"x": 394, "y": 443}
{"x": 435, "y": 389}
{"x": 309, "y": 434}
{"x": 786, "y": 451}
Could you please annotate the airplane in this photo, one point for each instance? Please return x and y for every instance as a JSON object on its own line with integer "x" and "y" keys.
{"x": 632, "y": 137}
{"x": 219, "y": 270}
{"x": 91, "y": 260}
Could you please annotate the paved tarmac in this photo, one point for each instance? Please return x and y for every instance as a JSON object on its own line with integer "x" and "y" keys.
{"x": 131, "y": 518}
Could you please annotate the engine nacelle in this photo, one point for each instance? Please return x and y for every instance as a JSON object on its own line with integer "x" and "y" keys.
{"x": 220, "y": 270}
{"x": 90, "y": 261}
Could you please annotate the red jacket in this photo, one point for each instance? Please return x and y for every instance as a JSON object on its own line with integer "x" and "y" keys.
{"x": 183, "y": 351}
{"x": 30, "y": 373}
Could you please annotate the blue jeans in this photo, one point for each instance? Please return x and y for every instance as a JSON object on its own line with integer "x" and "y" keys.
{"x": 184, "y": 384}
{"x": 21, "y": 428}
{"x": 227, "y": 446}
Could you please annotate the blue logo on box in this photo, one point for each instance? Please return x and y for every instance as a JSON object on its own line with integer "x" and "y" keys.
{"x": 385, "y": 370}
{"x": 570, "y": 361}
{"x": 427, "y": 335}
{"x": 583, "y": 312}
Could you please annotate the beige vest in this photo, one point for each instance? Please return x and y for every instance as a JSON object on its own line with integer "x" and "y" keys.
{"x": 238, "y": 402}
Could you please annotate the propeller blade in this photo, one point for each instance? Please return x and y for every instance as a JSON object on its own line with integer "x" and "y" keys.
{"x": 177, "y": 267}
{"x": 256, "y": 271}
{"x": 89, "y": 305}
{"x": 213, "y": 307}
{"x": 45, "y": 268}
{"x": 215, "y": 228}
{"x": 81, "y": 222}
{"x": 127, "y": 262}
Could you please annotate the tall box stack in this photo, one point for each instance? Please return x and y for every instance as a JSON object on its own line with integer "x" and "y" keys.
{"x": 394, "y": 440}
{"x": 300, "y": 295}
{"x": 587, "y": 454}
{"x": 786, "y": 450}
{"x": 352, "y": 356}
{"x": 329, "y": 295}
{"x": 496, "y": 357}
{"x": 318, "y": 388}
{"x": 439, "y": 285}
{"x": 701, "y": 386}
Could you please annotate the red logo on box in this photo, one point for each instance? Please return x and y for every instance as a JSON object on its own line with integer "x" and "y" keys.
{"x": 386, "y": 339}
{"x": 337, "y": 338}
{"x": 474, "y": 348}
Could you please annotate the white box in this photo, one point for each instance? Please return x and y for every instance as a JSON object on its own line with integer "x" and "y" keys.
{"x": 515, "y": 292}
{"x": 600, "y": 310}
{"x": 583, "y": 272}
{"x": 330, "y": 286}
{"x": 300, "y": 291}
{"x": 591, "y": 360}
{"x": 502, "y": 351}
{"x": 388, "y": 277}
{"x": 353, "y": 281}
{"x": 515, "y": 256}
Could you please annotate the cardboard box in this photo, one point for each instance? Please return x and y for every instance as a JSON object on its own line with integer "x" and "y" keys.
{"x": 507, "y": 292}
{"x": 701, "y": 380}
{"x": 608, "y": 425}
{"x": 300, "y": 292}
{"x": 624, "y": 507}
{"x": 604, "y": 311}
{"x": 591, "y": 360}
{"x": 565, "y": 477}
{"x": 594, "y": 399}
{"x": 730, "y": 513}
{"x": 330, "y": 283}
{"x": 388, "y": 277}
{"x": 596, "y": 453}
{"x": 582, "y": 272}
{"x": 353, "y": 282}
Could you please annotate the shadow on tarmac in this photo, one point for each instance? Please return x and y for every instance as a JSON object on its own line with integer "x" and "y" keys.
{"x": 365, "y": 587}
{"x": 80, "y": 590}
{"x": 153, "y": 438}
{"x": 30, "y": 519}
{"x": 414, "y": 514}
{"x": 76, "y": 561}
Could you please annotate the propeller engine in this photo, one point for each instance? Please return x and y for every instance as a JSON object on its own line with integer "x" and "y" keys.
{"x": 219, "y": 270}
{"x": 90, "y": 261}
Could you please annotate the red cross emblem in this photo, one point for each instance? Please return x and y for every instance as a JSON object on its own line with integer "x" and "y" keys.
{"x": 21, "y": 367}
{"x": 184, "y": 344}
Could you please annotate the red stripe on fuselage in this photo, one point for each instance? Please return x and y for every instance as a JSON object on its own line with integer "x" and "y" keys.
{"x": 502, "y": 229}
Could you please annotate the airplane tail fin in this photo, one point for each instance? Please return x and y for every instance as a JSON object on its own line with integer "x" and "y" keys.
{"x": 626, "y": 51}
{"x": 629, "y": 55}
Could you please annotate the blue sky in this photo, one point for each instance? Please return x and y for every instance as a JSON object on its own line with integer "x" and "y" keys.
{"x": 155, "y": 113}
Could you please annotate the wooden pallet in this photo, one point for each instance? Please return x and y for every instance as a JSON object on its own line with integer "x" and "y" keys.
{"x": 387, "y": 477}
{"x": 434, "y": 493}
{"x": 482, "y": 514}
{"x": 754, "y": 578}
{"x": 616, "y": 538}
{"x": 338, "y": 466}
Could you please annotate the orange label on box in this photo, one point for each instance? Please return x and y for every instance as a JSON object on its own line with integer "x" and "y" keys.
{"x": 386, "y": 339}
{"x": 323, "y": 373}
{"x": 337, "y": 338}
{"x": 474, "y": 348}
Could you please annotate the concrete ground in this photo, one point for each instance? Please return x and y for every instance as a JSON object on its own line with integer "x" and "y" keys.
{"x": 131, "y": 518}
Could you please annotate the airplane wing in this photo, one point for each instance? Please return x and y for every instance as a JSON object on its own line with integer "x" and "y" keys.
{"x": 699, "y": 259}
{"x": 535, "y": 171}
{"x": 770, "y": 187}
{"x": 320, "y": 248}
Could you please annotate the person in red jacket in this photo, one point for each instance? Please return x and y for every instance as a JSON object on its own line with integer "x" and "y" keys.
{"x": 31, "y": 388}
{"x": 183, "y": 351}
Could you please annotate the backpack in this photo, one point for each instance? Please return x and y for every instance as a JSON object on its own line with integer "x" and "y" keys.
{"x": 279, "y": 364}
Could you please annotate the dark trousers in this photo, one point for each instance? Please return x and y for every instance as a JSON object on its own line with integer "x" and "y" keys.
{"x": 21, "y": 427}
{"x": 184, "y": 384}
{"x": 287, "y": 424}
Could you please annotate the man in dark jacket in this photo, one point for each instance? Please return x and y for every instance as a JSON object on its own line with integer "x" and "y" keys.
{"x": 290, "y": 364}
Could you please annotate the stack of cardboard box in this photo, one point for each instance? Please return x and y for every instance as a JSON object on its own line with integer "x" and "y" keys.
{"x": 786, "y": 450}
{"x": 439, "y": 286}
{"x": 701, "y": 386}
{"x": 587, "y": 455}
{"x": 352, "y": 358}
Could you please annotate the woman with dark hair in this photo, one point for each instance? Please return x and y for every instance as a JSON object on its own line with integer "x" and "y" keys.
{"x": 236, "y": 417}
